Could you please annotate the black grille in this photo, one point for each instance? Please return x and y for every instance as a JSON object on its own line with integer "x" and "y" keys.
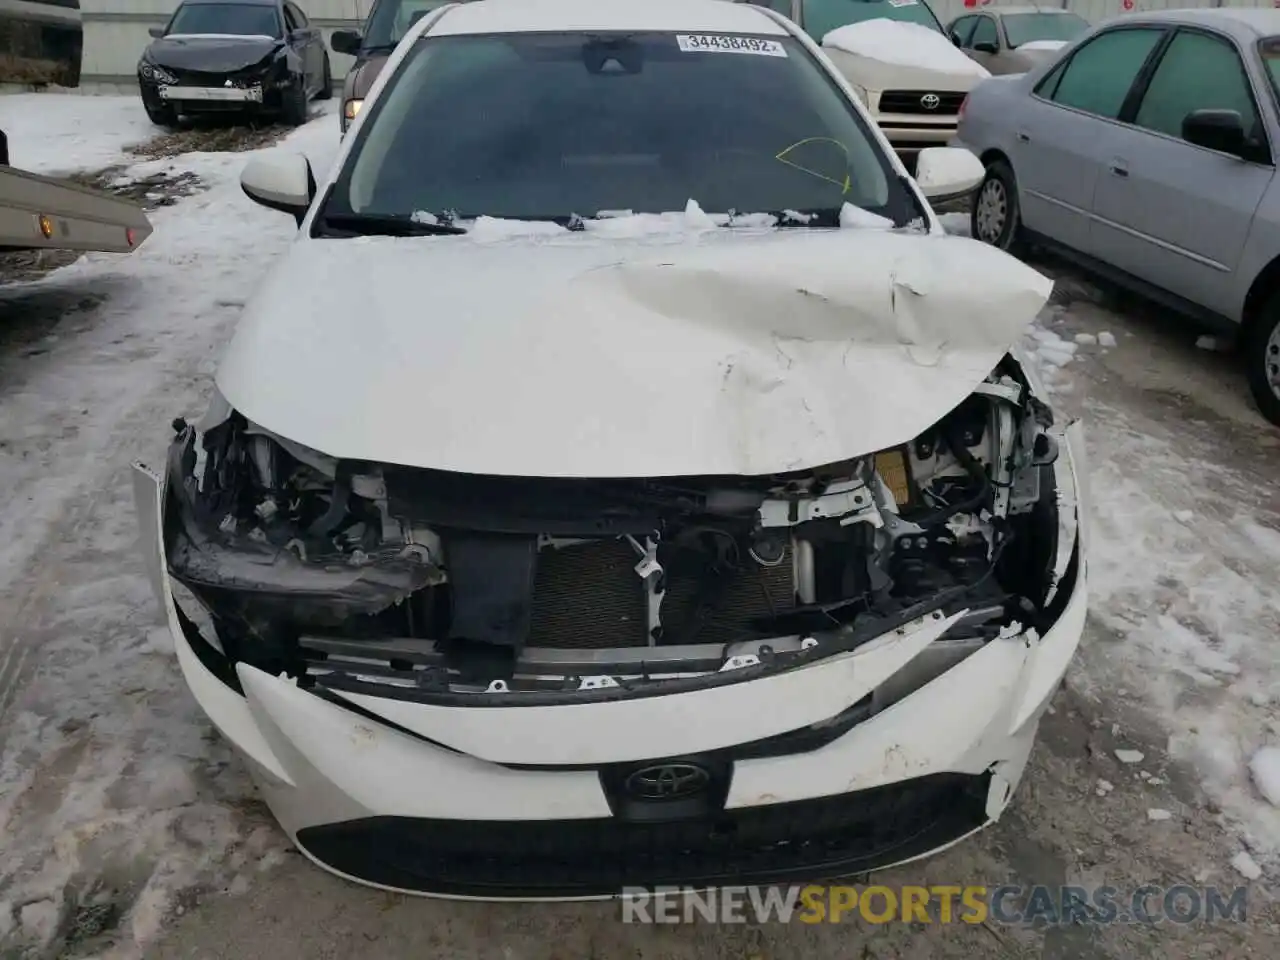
{"x": 589, "y": 595}
{"x": 912, "y": 101}
{"x": 197, "y": 78}
{"x": 820, "y": 839}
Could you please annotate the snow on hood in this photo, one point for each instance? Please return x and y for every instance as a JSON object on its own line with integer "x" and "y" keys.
{"x": 1032, "y": 46}
{"x": 721, "y": 352}
{"x": 903, "y": 44}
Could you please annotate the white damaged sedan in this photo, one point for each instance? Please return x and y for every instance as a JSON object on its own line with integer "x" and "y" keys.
{"x": 643, "y": 490}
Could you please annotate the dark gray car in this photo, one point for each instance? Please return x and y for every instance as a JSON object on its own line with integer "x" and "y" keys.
{"x": 1147, "y": 152}
{"x": 388, "y": 22}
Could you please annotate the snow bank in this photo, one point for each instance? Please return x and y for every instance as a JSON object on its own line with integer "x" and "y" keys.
{"x": 112, "y": 784}
{"x": 1265, "y": 767}
{"x": 956, "y": 224}
{"x": 1184, "y": 598}
{"x": 1043, "y": 45}
{"x": 904, "y": 44}
{"x": 56, "y": 134}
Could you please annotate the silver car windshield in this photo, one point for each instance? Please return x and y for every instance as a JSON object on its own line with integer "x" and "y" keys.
{"x": 1020, "y": 28}
{"x": 549, "y": 126}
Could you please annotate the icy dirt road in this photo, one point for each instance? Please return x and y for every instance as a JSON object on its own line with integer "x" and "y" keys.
{"x": 130, "y": 831}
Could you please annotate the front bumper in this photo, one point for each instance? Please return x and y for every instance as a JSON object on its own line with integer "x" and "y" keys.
{"x": 522, "y": 801}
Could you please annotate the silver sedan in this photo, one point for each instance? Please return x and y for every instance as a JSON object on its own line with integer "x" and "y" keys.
{"x": 1146, "y": 152}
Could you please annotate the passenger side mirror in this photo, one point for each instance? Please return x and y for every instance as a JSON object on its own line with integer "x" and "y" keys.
{"x": 155, "y": 32}
{"x": 345, "y": 41}
{"x": 281, "y": 180}
{"x": 986, "y": 46}
{"x": 1221, "y": 130}
{"x": 947, "y": 173}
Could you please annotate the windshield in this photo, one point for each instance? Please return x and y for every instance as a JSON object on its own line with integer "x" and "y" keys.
{"x": 1020, "y": 28}
{"x": 557, "y": 126}
{"x": 823, "y": 16}
{"x": 1269, "y": 50}
{"x": 391, "y": 20}
{"x": 240, "y": 19}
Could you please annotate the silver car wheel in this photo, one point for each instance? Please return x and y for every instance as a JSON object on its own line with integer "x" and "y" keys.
{"x": 992, "y": 211}
{"x": 1272, "y": 360}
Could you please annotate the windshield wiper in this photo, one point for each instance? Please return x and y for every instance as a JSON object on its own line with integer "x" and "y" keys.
{"x": 388, "y": 225}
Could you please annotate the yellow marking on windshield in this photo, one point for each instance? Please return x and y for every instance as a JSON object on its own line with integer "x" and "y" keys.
{"x": 844, "y": 185}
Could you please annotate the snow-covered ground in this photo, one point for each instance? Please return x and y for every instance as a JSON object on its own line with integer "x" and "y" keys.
{"x": 110, "y": 780}
{"x": 55, "y": 134}
{"x": 113, "y": 790}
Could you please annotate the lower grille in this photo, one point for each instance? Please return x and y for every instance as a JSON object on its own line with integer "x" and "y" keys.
{"x": 589, "y": 596}
{"x": 810, "y": 840}
{"x": 915, "y": 101}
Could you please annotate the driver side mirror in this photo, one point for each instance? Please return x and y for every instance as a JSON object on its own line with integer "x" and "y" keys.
{"x": 155, "y": 32}
{"x": 948, "y": 173}
{"x": 345, "y": 41}
{"x": 1220, "y": 130}
{"x": 281, "y": 180}
{"x": 986, "y": 46}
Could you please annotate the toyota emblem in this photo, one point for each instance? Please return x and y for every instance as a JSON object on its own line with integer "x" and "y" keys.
{"x": 668, "y": 781}
{"x": 930, "y": 101}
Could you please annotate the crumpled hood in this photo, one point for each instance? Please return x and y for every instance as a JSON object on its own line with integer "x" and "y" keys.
{"x": 565, "y": 355}
{"x": 211, "y": 54}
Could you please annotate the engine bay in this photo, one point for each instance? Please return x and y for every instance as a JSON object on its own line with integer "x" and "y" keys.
{"x": 443, "y": 580}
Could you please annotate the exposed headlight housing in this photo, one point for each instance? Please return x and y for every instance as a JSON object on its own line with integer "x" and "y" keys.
{"x": 155, "y": 73}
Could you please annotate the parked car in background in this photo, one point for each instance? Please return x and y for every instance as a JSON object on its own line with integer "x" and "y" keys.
{"x": 255, "y": 57}
{"x": 899, "y": 61}
{"x": 778, "y": 583}
{"x": 1147, "y": 153}
{"x": 1015, "y": 39}
{"x": 389, "y": 20}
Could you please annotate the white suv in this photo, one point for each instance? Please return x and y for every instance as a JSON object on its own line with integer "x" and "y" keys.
{"x": 901, "y": 63}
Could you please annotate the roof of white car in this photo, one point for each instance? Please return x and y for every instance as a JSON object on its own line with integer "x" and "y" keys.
{"x": 573, "y": 16}
{"x": 1258, "y": 21}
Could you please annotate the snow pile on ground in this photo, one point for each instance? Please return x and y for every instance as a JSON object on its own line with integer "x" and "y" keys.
{"x": 904, "y": 44}
{"x": 114, "y": 791}
{"x": 1043, "y": 45}
{"x": 956, "y": 224}
{"x": 65, "y": 133}
{"x": 1186, "y": 607}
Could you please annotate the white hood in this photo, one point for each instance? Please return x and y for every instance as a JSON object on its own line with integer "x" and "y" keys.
{"x": 722, "y": 352}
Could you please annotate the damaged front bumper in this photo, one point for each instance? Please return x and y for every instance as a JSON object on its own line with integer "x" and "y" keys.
{"x": 889, "y": 751}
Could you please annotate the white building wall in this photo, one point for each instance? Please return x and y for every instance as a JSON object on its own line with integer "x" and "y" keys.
{"x": 115, "y": 31}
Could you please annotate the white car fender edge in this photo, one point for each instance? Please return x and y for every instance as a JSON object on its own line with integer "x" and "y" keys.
{"x": 663, "y": 725}
{"x": 224, "y": 707}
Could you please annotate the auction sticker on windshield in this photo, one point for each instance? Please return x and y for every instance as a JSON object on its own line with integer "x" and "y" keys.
{"x": 708, "y": 43}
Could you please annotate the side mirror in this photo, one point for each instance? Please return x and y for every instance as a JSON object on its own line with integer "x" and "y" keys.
{"x": 1221, "y": 130}
{"x": 155, "y": 32}
{"x": 948, "y": 173}
{"x": 345, "y": 41}
{"x": 281, "y": 180}
{"x": 986, "y": 46}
